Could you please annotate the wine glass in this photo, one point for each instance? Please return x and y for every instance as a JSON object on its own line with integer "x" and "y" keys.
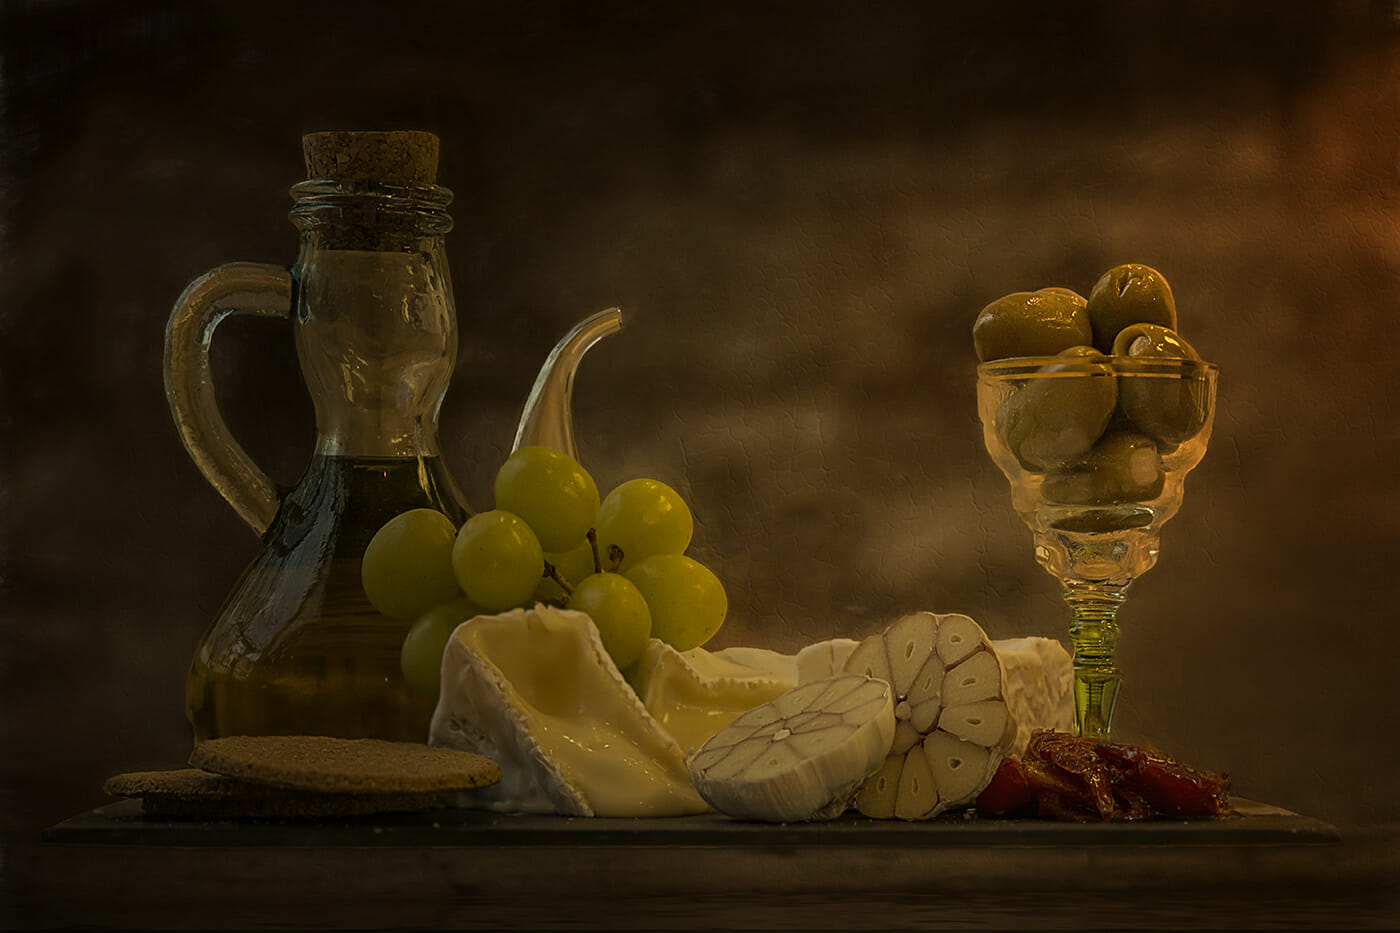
{"x": 1096, "y": 449}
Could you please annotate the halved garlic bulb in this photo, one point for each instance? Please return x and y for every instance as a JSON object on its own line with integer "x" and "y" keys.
{"x": 801, "y": 756}
{"x": 953, "y": 725}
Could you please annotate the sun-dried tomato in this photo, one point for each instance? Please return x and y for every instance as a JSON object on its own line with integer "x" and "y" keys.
{"x": 1085, "y": 779}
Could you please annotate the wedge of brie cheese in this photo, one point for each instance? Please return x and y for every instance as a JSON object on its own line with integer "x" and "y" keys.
{"x": 534, "y": 690}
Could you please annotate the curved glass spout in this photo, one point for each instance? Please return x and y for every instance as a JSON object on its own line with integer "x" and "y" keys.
{"x": 548, "y": 419}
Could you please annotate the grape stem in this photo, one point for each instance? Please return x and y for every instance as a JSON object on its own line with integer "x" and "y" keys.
{"x": 552, "y": 572}
{"x": 593, "y": 540}
{"x": 614, "y": 554}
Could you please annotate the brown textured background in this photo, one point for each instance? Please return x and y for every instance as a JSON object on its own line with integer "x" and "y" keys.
{"x": 800, "y": 208}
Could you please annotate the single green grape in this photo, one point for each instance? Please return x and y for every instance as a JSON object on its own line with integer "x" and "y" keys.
{"x": 644, "y": 517}
{"x": 619, "y": 611}
{"x": 572, "y": 565}
{"x": 407, "y": 566}
{"x": 498, "y": 560}
{"x": 552, "y": 492}
{"x": 687, "y": 601}
{"x": 420, "y": 658}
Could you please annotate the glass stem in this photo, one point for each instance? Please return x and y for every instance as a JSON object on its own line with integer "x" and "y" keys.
{"x": 1093, "y": 631}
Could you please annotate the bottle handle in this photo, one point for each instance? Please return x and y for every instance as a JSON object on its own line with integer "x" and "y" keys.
{"x": 235, "y": 288}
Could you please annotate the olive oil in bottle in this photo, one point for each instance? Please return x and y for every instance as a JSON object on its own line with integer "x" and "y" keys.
{"x": 297, "y": 648}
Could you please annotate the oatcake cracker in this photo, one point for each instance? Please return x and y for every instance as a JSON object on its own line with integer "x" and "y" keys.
{"x": 324, "y": 763}
{"x": 187, "y": 782}
{"x": 192, "y": 793}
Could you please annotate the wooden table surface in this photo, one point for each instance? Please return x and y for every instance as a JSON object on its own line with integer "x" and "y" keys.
{"x": 112, "y": 868}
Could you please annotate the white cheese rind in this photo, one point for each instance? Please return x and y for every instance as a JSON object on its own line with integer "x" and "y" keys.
{"x": 1038, "y": 684}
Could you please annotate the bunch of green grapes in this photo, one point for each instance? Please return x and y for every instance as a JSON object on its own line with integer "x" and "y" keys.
{"x": 621, "y": 560}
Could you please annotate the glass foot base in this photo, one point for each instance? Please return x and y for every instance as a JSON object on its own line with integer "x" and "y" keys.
{"x": 1095, "y": 695}
{"x": 1094, "y": 634}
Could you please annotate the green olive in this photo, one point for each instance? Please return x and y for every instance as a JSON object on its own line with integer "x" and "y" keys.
{"x": 1168, "y": 408}
{"x": 1129, "y": 294}
{"x": 1069, "y": 293}
{"x": 1053, "y": 420}
{"x": 1152, "y": 342}
{"x": 1121, "y": 467}
{"x": 1040, "y": 323}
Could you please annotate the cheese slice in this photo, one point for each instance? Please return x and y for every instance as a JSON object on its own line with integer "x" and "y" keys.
{"x": 534, "y": 690}
{"x": 694, "y": 694}
{"x": 824, "y": 659}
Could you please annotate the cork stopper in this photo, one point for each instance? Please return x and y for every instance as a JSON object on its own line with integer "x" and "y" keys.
{"x": 397, "y": 157}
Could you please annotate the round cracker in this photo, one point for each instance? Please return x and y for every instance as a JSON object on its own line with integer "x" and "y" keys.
{"x": 192, "y": 793}
{"x": 179, "y": 782}
{"x": 336, "y": 765}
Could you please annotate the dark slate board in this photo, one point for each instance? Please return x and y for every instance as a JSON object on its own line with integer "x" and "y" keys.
{"x": 124, "y": 824}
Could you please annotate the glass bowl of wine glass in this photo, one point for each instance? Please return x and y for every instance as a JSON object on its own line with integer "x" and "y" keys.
{"x": 1096, "y": 449}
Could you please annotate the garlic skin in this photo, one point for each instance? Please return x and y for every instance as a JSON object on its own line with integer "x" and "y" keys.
{"x": 534, "y": 690}
{"x": 799, "y": 757}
